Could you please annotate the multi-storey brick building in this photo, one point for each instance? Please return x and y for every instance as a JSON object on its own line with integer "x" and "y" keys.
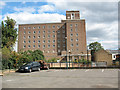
{"x": 67, "y": 38}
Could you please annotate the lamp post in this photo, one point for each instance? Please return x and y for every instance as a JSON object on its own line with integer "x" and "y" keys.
{"x": 69, "y": 58}
{"x": 87, "y": 54}
{"x": 66, "y": 52}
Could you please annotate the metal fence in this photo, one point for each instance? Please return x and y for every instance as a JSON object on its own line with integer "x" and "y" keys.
{"x": 75, "y": 65}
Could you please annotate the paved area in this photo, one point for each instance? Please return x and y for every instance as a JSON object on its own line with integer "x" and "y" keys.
{"x": 74, "y": 78}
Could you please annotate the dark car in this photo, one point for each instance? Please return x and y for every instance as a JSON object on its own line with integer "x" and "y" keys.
{"x": 29, "y": 67}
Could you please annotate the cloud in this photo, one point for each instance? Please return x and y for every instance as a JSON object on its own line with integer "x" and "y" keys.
{"x": 2, "y": 4}
{"x": 46, "y": 8}
{"x": 25, "y": 17}
{"x": 25, "y": 9}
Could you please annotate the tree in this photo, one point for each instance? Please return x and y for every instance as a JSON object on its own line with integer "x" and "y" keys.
{"x": 5, "y": 57}
{"x": 95, "y": 46}
{"x": 9, "y": 33}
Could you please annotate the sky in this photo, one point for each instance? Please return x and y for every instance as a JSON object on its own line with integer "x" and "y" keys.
{"x": 101, "y": 17}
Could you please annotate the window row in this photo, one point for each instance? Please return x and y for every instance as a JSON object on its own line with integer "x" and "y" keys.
{"x": 72, "y": 40}
{"x": 29, "y": 32}
{"x": 43, "y": 27}
{"x": 39, "y": 36}
{"x": 29, "y": 46}
{"x": 44, "y": 41}
{"x": 71, "y": 25}
{"x": 72, "y": 34}
{"x": 73, "y": 45}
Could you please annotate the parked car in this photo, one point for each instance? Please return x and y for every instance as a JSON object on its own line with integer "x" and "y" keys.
{"x": 29, "y": 67}
{"x": 43, "y": 64}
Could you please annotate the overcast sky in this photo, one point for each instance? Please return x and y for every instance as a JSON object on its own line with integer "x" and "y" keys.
{"x": 101, "y": 17}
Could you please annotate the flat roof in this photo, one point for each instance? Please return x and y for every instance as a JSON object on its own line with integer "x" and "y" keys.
{"x": 42, "y": 23}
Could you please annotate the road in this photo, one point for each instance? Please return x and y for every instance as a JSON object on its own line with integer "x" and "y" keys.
{"x": 73, "y": 78}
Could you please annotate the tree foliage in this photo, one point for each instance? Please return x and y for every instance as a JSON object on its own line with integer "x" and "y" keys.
{"x": 95, "y": 46}
{"x": 9, "y": 33}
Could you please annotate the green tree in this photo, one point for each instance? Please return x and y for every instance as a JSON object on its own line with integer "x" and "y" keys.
{"x": 95, "y": 46}
{"x": 5, "y": 57}
{"x": 9, "y": 33}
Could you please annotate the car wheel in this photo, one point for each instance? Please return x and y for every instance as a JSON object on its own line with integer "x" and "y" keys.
{"x": 30, "y": 70}
{"x": 38, "y": 69}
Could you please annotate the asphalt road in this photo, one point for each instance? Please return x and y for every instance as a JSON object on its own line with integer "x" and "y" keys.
{"x": 74, "y": 78}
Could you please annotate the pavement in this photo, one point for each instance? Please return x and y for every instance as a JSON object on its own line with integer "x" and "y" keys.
{"x": 62, "y": 78}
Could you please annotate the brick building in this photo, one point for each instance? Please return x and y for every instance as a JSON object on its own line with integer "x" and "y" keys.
{"x": 60, "y": 40}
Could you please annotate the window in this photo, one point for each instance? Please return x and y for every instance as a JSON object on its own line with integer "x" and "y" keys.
{"x": 34, "y": 41}
{"x": 33, "y": 46}
{"x": 29, "y": 32}
{"x": 70, "y": 25}
{"x": 53, "y": 41}
{"x": 43, "y": 27}
{"x": 24, "y": 27}
{"x": 28, "y": 46}
{"x": 48, "y": 27}
{"x": 29, "y": 41}
{"x": 48, "y": 51}
{"x": 71, "y": 40}
{"x": 53, "y": 36}
{"x": 63, "y": 31}
{"x": 58, "y": 45}
{"x": 33, "y": 36}
{"x": 53, "y": 31}
{"x": 24, "y": 41}
{"x": 33, "y": 27}
{"x": 71, "y": 45}
{"x": 63, "y": 45}
{"x": 48, "y": 41}
{"x": 48, "y": 46}
{"x": 77, "y": 49}
{"x": 43, "y": 31}
{"x": 58, "y": 31}
{"x": 63, "y": 27}
{"x": 72, "y": 16}
{"x": 43, "y": 36}
{"x": 58, "y": 27}
{"x": 58, "y": 50}
{"x": 77, "y": 34}
{"x": 75, "y": 25}
{"x": 29, "y": 27}
{"x": 53, "y": 51}
{"x": 24, "y": 46}
{"x": 58, "y": 41}
{"x": 77, "y": 44}
{"x": 58, "y": 35}
{"x": 64, "y": 41}
{"x": 24, "y": 37}
{"x": 24, "y": 32}
{"x": 48, "y": 36}
{"x": 38, "y": 46}
{"x": 38, "y": 31}
{"x": 77, "y": 39}
{"x": 28, "y": 36}
{"x": 71, "y": 34}
{"x": 43, "y": 46}
{"x": 33, "y": 32}
{"x": 53, "y": 46}
{"x": 43, "y": 41}
{"x": 71, "y": 30}
{"x": 39, "y": 27}
{"x": 48, "y": 31}
{"x": 38, "y": 36}
{"x": 53, "y": 27}
{"x": 38, "y": 41}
